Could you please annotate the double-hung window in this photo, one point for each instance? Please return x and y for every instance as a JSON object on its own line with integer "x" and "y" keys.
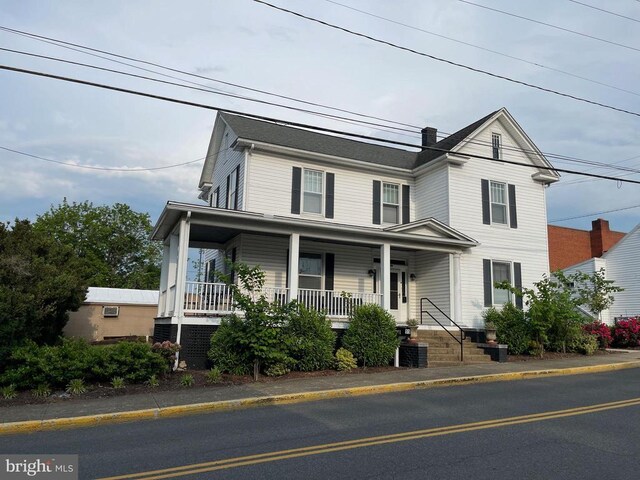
{"x": 312, "y": 192}
{"x": 496, "y": 146}
{"x": 231, "y": 193}
{"x": 213, "y": 199}
{"x": 498, "y": 202}
{"x": 310, "y": 271}
{"x": 390, "y": 203}
{"x": 501, "y": 271}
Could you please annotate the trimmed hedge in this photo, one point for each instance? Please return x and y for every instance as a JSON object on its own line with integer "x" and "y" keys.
{"x": 371, "y": 336}
{"x": 32, "y": 365}
{"x": 309, "y": 340}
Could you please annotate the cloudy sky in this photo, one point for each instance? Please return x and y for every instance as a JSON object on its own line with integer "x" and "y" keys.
{"x": 246, "y": 43}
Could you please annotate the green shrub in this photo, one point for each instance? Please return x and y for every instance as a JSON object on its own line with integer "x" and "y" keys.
{"x": 512, "y": 327}
{"x": 76, "y": 386}
{"x": 535, "y": 348}
{"x": 583, "y": 343}
{"x": 345, "y": 360}
{"x": 277, "y": 370}
{"x": 153, "y": 381}
{"x": 309, "y": 340}
{"x": 117, "y": 382}
{"x": 41, "y": 391}
{"x": 9, "y": 392}
{"x": 57, "y": 365}
{"x": 187, "y": 380}
{"x": 133, "y": 361}
{"x": 371, "y": 335}
{"x": 214, "y": 375}
{"x": 227, "y": 352}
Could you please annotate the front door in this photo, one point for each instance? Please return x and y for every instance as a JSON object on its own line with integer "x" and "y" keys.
{"x": 398, "y": 294}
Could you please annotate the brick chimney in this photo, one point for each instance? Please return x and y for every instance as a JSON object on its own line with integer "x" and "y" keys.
{"x": 429, "y": 136}
{"x": 601, "y": 238}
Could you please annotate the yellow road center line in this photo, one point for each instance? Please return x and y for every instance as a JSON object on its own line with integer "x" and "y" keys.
{"x": 370, "y": 441}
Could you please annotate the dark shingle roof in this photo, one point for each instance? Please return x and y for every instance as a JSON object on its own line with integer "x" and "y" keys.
{"x": 451, "y": 141}
{"x": 282, "y": 135}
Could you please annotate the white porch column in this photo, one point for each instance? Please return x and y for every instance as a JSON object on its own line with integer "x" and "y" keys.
{"x": 457, "y": 288}
{"x": 385, "y": 275}
{"x": 181, "y": 275}
{"x": 294, "y": 255}
{"x": 164, "y": 280}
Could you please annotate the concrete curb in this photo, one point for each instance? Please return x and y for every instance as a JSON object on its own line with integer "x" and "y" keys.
{"x": 225, "y": 405}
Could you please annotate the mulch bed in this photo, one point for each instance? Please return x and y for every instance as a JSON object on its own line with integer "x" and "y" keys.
{"x": 552, "y": 356}
{"x": 172, "y": 382}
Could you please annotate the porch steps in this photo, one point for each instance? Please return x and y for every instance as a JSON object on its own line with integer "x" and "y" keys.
{"x": 445, "y": 351}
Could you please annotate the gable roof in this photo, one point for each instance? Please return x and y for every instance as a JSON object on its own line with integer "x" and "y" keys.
{"x": 254, "y": 130}
{"x": 280, "y": 134}
{"x": 451, "y": 141}
{"x": 430, "y": 227}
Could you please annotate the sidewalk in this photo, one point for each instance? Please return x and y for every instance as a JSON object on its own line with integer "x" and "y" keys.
{"x": 239, "y": 396}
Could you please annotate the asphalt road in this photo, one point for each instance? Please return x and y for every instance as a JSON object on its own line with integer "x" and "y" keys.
{"x": 572, "y": 427}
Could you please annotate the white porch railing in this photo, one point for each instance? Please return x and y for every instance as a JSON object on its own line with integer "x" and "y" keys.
{"x": 206, "y": 298}
{"x": 336, "y": 303}
{"x": 215, "y": 298}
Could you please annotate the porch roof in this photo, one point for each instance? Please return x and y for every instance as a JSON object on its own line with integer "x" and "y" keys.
{"x": 217, "y": 225}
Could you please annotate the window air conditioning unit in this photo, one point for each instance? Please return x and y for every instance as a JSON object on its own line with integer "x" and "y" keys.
{"x": 109, "y": 311}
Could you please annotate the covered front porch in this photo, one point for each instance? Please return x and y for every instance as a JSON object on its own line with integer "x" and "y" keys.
{"x": 325, "y": 266}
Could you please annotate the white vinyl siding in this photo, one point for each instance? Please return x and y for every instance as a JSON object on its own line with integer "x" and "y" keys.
{"x": 432, "y": 195}
{"x": 227, "y": 162}
{"x": 312, "y": 191}
{"x": 269, "y": 184}
{"x": 526, "y": 244}
{"x": 498, "y": 202}
{"x": 623, "y": 267}
{"x": 390, "y": 203}
{"x": 432, "y": 271}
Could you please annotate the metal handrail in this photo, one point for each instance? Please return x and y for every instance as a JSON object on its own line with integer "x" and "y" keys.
{"x": 462, "y": 335}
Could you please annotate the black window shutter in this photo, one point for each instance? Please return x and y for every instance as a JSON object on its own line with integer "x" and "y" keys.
{"x": 377, "y": 186}
{"x": 513, "y": 214}
{"x": 329, "y": 266}
{"x": 405, "y": 204}
{"x": 226, "y": 194}
{"x": 488, "y": 287}
{"x": 217, "y": 194}
{"x": 486, "y": 206}
{"x": 296, "y": 189}
{"x": 237, "y": 187}
{"x": 328, "y": 206}
{"x": 517, "y": 282}
{"x": 286, "y": 272}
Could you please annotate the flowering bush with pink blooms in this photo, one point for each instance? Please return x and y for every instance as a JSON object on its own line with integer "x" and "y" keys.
{"x": 601, "y": 331}
{"x": 167, "y": 350}
{"x": 626, "y": 333}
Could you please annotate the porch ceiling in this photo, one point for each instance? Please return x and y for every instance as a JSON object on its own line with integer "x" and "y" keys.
{"x": 216, "y": 225}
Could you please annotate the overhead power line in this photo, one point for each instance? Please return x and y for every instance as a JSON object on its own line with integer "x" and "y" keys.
{"x": 605, "y": 11}
{"x": 449, "y": 62}
{"x": 89, "y": 51}
{"x": 107, "y": 169}
{"x": 593, "y": 214}
{"x": 203, "y": 77}
{"x": 302, "y": 125}
{"x": 521, "y": 17}
{"x": 462, "y": 42}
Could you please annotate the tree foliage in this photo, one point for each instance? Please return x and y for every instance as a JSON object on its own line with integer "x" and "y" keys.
{"x": 112, "y": 241}
{"x": 40, "y": 282}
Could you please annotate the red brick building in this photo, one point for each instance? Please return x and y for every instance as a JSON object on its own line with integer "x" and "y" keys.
{"x": 569, "y": 246}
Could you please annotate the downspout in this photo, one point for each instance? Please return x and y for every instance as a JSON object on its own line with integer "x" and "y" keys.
{"x": 182, "y": 279}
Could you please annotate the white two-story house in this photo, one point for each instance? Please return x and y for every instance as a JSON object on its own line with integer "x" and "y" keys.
{"x": 336, "y": 222}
